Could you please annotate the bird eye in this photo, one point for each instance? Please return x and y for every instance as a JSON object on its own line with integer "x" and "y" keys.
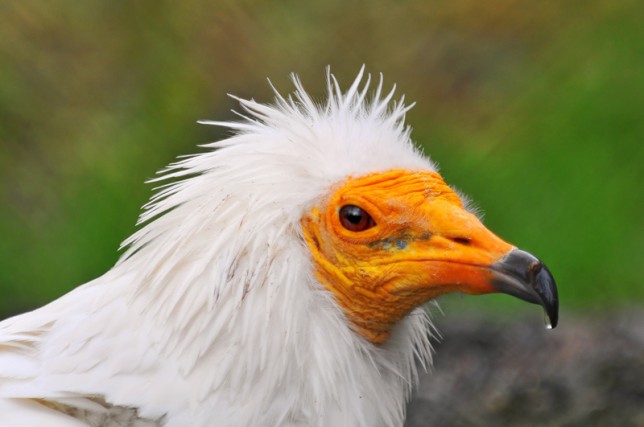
{"x": 354, "y": 218}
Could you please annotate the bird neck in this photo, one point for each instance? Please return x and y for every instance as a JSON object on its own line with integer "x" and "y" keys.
{"x": 274, "y": 338}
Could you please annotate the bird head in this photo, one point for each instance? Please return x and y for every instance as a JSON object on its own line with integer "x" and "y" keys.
{"x": 342, "y": 183}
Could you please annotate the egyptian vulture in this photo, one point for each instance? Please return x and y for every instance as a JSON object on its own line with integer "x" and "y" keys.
{"x": 277, "y": 279}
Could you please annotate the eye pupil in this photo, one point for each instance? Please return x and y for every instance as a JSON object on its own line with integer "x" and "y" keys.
{"x": 354, "y": 218}
{"x": 354, "y": 214}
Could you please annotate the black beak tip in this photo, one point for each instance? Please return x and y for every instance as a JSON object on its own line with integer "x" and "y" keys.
{"x": 546, "y": 288}
{"x": 520, "y": 274}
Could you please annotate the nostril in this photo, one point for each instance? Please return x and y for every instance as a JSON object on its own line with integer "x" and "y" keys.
{"x": 535, "y": 267}
{"x": 462, "y": 241}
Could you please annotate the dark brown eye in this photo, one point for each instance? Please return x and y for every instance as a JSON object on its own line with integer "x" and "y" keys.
{"x": 354, "y": 218}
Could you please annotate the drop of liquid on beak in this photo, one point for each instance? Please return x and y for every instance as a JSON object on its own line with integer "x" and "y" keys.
{"x": 546, "y": 320}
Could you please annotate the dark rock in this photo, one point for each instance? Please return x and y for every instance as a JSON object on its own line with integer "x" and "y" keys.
{"x": 587, "y": 372}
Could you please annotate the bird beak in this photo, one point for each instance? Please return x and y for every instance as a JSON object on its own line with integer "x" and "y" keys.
{"x": 522, "y": 275}
{"x": 462, "y": 255}
{"x": 480, "y": 262}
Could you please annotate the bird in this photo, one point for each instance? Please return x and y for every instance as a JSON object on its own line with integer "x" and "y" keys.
{"x": 279, "y": 277}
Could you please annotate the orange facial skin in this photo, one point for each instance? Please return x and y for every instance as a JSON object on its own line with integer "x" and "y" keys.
{"x": 423, "y": 244}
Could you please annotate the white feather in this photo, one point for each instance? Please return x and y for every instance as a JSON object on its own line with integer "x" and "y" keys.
{"x": 213, "y": 316}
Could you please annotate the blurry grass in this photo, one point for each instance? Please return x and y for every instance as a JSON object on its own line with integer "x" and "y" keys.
{"x": 567, "y": 181}
{"x": 534, "y": 109}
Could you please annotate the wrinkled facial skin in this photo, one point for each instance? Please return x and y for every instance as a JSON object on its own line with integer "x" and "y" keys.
{"x": 421, "y": 244}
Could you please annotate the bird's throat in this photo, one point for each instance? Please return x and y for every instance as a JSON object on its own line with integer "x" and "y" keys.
{"x": 372, "y": 314}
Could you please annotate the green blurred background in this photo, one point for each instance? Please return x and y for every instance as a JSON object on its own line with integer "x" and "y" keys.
{"x": 532, "y": 108}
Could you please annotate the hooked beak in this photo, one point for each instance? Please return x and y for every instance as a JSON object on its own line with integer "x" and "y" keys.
{"x": 524, "y": 276}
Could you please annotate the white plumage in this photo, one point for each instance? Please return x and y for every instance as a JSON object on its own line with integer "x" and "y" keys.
{"x": 213, "y": 315}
